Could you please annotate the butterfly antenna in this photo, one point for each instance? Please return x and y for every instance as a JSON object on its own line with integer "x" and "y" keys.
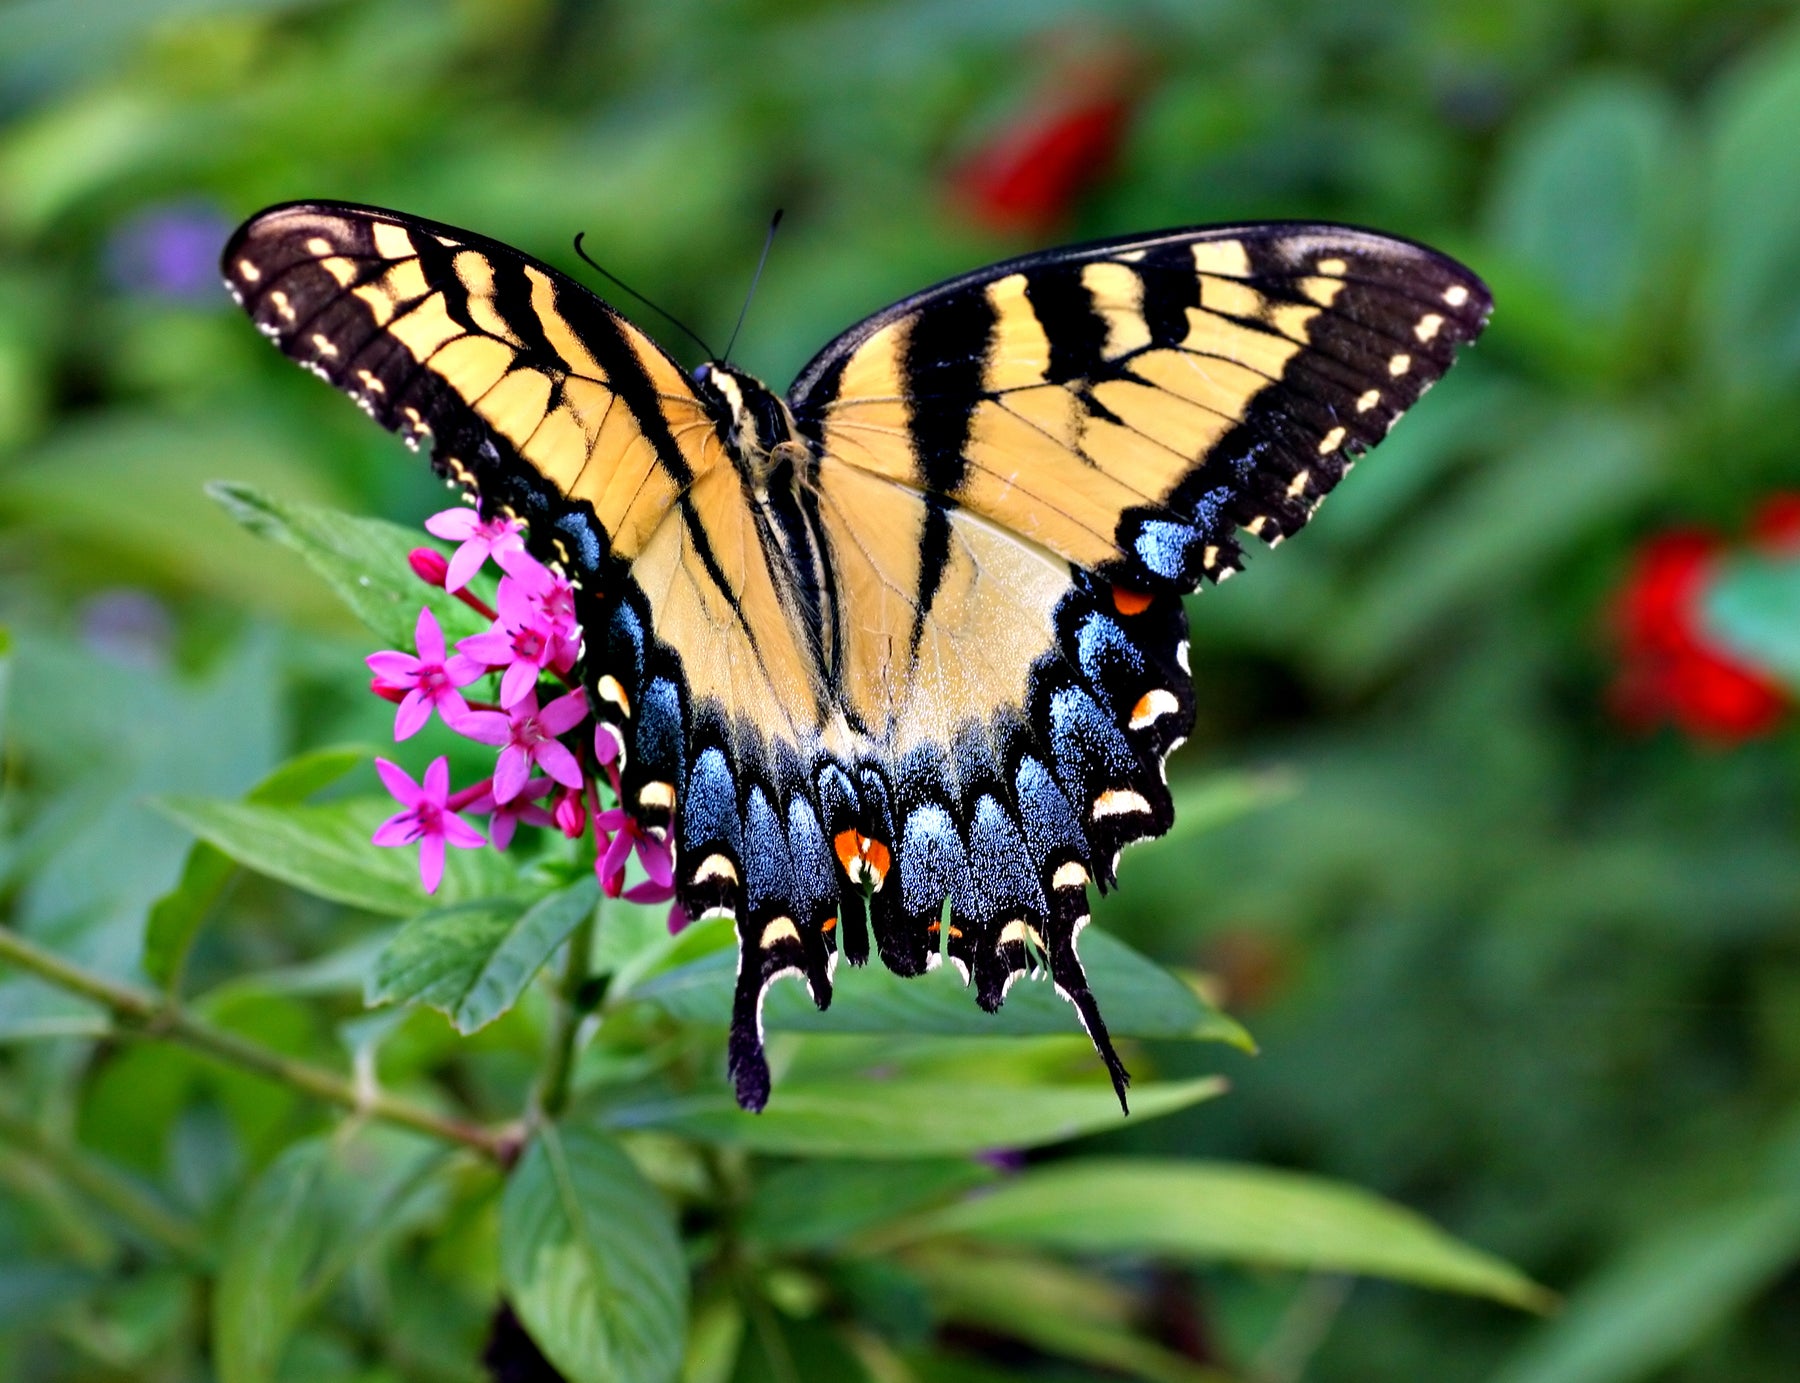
{"x": 611, "y": 277}
{"x": 756, "y": 278}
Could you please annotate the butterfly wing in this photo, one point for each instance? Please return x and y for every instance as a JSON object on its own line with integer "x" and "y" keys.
{"x": 525, "y": 387}
{"x": 535, "y": 396}
{"x": 1018, "y": 473}
{"x": 1132, "y": 404}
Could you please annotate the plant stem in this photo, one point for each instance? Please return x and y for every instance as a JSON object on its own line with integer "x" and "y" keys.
{"x": 158, "y": 1016}
{"x": 152, "y": 1220}
{"x": 559, "y": 1070}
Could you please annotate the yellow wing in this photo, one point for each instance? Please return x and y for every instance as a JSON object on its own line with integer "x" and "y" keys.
{"x": 1130, "y": 405}
{"x": 524, "y": 386}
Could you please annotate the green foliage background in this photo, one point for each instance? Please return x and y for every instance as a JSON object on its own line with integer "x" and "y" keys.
{"x": 1507, "y": 965}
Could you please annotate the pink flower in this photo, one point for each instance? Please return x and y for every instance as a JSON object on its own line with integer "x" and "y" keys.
{"x": 427, "y": 820}
{"x": 480, "y": 539}
{"x": 522, "y": 641}
{"x": 570, "y": 814}
{"x": 548, "y": 592}
{"x": 504, "y": 817}
{"x": 429, "y": 565}
{"x": 657, "y": 856}
{"x": 429, "y": 681}
{"x": 529, "y": 737}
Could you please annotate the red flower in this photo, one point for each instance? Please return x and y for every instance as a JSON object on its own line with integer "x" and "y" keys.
{"x": 1670, "y": 672}
{"x": 1028, "y": 176}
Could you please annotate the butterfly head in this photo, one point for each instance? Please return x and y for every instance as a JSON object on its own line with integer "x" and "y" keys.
{"x": 754, "y": 419}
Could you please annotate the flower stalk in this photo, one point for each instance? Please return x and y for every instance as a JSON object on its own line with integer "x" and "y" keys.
{"x": 157, "y": 1016}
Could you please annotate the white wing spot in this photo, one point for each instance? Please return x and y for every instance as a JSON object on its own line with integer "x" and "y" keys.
{"x": 1399, "y": 365}
{"x": 1331, "y": 266}
{"x": 1428, "y": 326}
{"x": 1456, "y": 295}
{"x": 1329, "y": 443}
{"x": 324, "y": 345}
{"x": 248, "y": 272}
{"x": 1120, "y": 802}
{"x": 1370, "y": 398}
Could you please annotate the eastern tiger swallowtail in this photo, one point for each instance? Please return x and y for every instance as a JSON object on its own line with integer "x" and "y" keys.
{"x": 913, "y": 633}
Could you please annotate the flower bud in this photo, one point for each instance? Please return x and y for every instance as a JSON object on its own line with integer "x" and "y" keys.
{"x": 429, "y": 565}
{"x": 387, "y": 691}
{"x": 571, "y": 814}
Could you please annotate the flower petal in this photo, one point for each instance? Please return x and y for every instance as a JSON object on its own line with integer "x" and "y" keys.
{"x": 484, "y": 727}
{"x": 564, "y": 713}
{"x": 491, "y": 649}
{"x": 431, "y": 862}
{"x": 399, "y": 782}
{"x": 402, "y": 828}
{"x": 389, "y": 666}
{"x": 519, "y": 682}
{"x": 501, "y": 827}
{"x": 464, "y": 563}
{"x": 510, "y": 773}
{"x": 411, "y": 716}
{"x": 462, "y": 670}
{"x": 649, "y": 892}
{"x": 437, "y": 780}
{"x": 461, "y": 834}
{"x": 558, "y": 762}
{"x": 453, "y": 525}
{"x": 658, "y": 861}
{"x": 428, "y": 637}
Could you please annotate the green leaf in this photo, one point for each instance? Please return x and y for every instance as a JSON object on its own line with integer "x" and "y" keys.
{"x": 591, "y": 1260}
{"x": 1663, "y": 1295}
{"x": 818, "y": 1204}
{"x": 1753, "y": 608}
{"x": 275, "y": 1239}
{"x": 1582, "y": 195}
{"x": 1057, "y": 1308}
{"x": 1140, "y": 998}
{"x": 175, "y": 918}
{"x": 1211, "y": 1211}
{"x": 297, "y": 1231}
{"x": 326, "y": 850}
{"x": 473, "y": 961}
{"x": 362, "y": 560}
{"x": 907, "y": 1118}
{"x": 1748, "y": 296}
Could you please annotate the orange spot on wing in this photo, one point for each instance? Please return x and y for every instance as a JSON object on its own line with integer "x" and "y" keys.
{"x": 1130, "y": 602}
{"x": 864, "y": 858}
{"x": 830, "y": 922}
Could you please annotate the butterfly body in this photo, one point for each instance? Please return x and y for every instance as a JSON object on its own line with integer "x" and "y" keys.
{"x": 899, "y": 656}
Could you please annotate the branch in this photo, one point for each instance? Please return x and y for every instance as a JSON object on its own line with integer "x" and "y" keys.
{"x": 151, "y": 1219}
{"x": 157, "y": 1016}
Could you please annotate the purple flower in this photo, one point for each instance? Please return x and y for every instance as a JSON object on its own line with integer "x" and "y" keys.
{"x": 480, "y": 538}
{"x": 504, "y": 817}
{"x": 657, "y": 857}
{"x": 522, "y": 642}
{"x": 549, "y": 593}
{"x": 429, "y": 680}
{"x": 427, "y": 819}
{"x": 170, "y": 250}
{"x": 529, "y": 737}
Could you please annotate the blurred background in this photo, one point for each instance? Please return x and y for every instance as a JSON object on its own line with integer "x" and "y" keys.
{"x": 1518, "y": 928}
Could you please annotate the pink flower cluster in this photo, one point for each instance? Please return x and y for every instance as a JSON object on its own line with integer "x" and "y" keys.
{"x": 545, "y": 774}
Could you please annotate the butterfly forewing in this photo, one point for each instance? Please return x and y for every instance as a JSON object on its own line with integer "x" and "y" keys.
{"x": 523, "y": 385}
{"x": 1132, "y": 404}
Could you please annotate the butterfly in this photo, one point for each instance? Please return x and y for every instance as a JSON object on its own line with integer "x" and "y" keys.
{"x": 902, "y": 651}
